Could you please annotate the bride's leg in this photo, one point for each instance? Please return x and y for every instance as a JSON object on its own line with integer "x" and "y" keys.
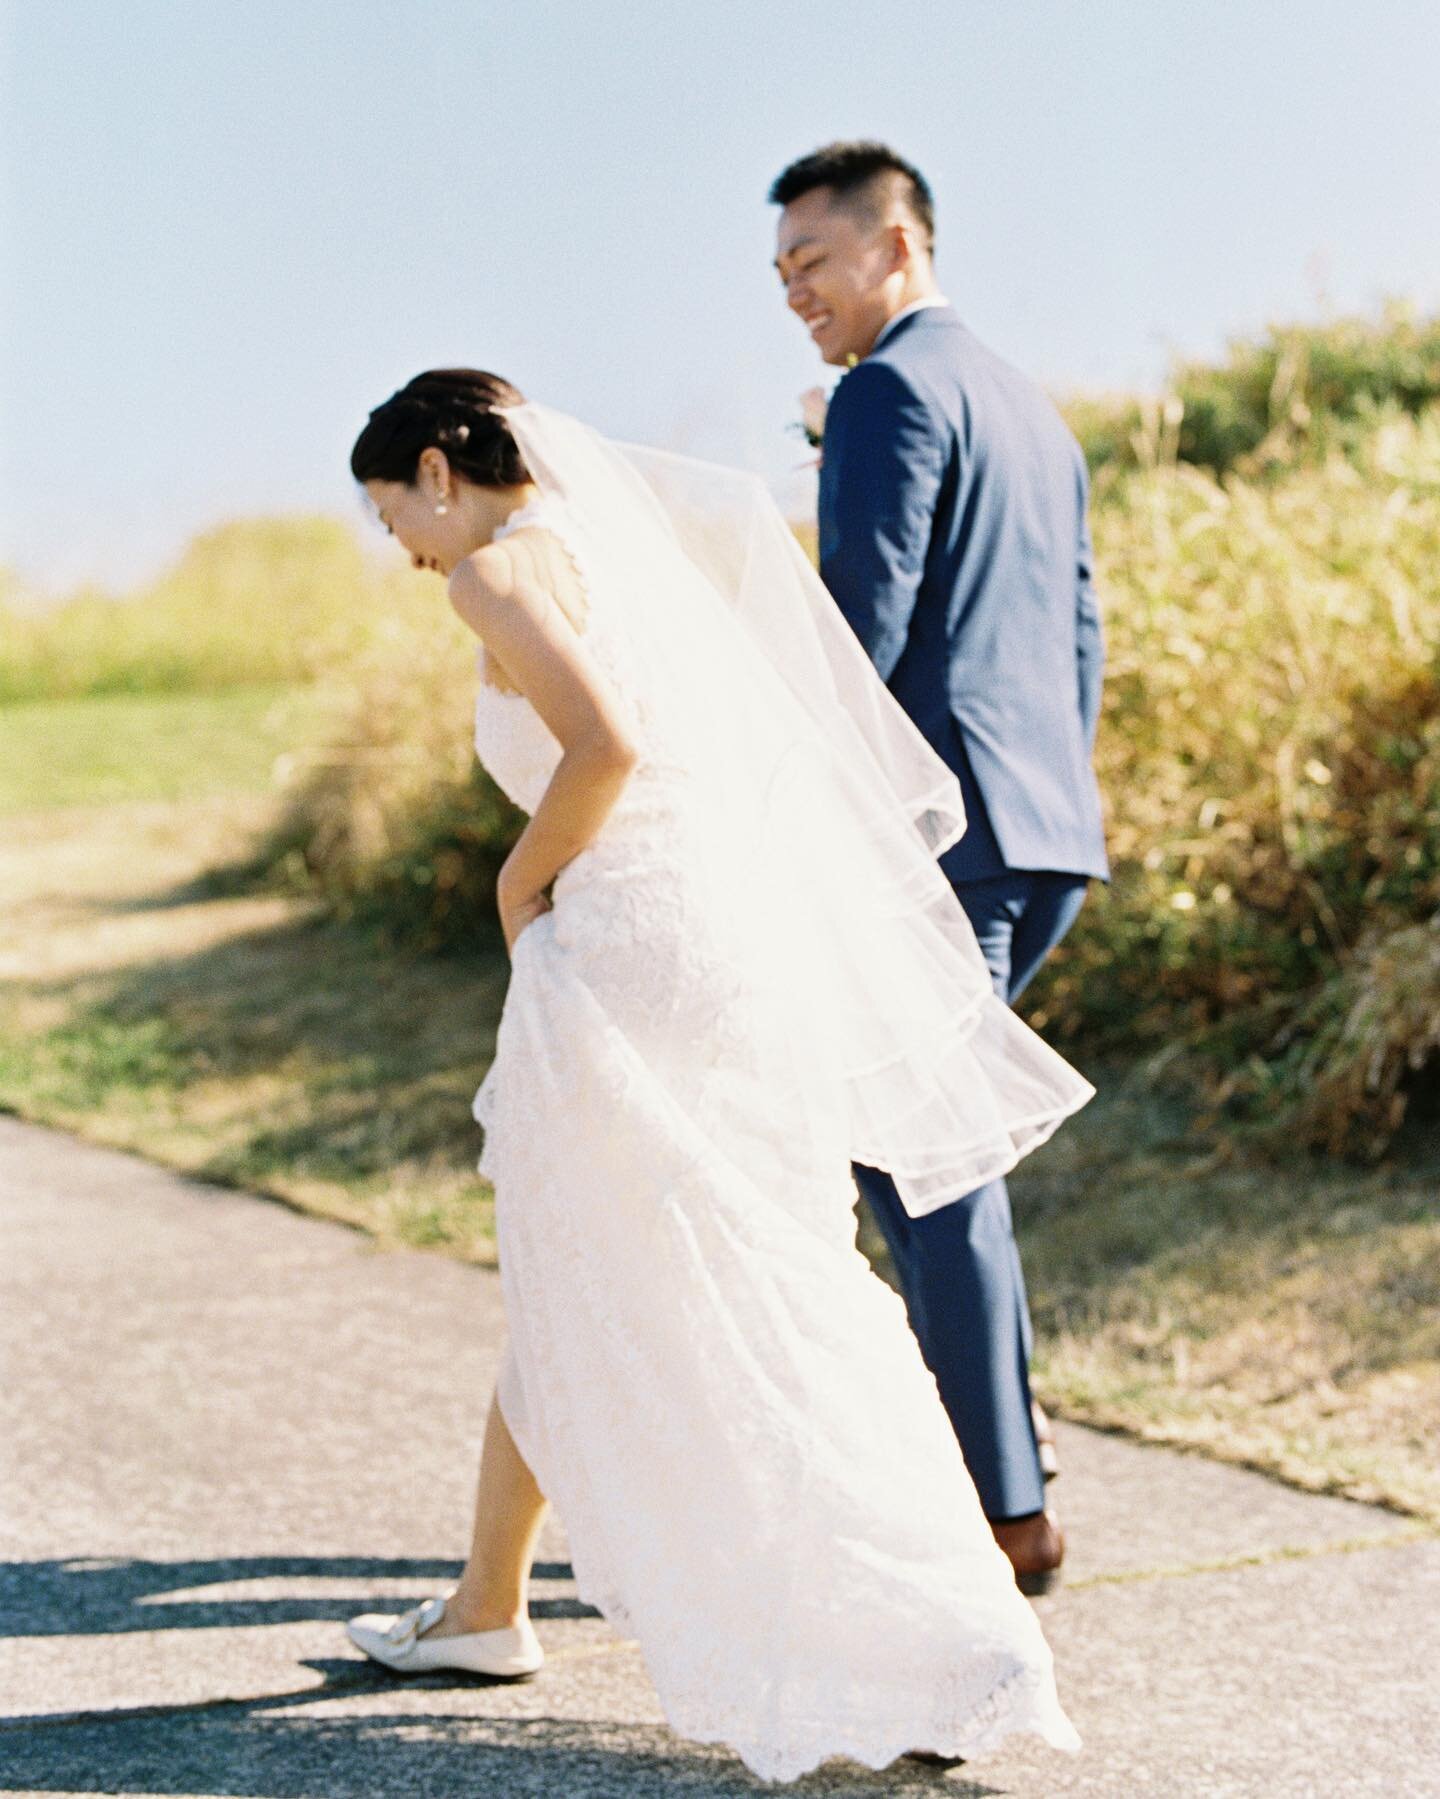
{"x": 509, "y": 1510}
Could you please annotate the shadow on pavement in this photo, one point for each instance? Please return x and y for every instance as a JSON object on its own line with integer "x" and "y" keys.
{"x": 80, "y": 1597}
{"x": 241, "y": 1748}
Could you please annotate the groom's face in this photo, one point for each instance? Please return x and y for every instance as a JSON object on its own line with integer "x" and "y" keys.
{"x": 839, "y": 271}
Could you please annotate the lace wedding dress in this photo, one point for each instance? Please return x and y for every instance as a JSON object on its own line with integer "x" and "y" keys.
{"x": 724, "y": 1403}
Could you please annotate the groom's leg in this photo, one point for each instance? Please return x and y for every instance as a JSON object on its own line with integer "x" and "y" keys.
{"x": 960, "y": 1274}
{"x": 1001, "y": 911}
{"x": 1052, "y": 905}
{"x": 959, "y": 1268}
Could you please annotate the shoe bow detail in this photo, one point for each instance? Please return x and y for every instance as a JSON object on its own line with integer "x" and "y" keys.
{"x": 409, "y": 1625}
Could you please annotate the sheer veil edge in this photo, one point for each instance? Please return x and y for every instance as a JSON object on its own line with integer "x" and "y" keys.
{"x": 822, "y": 811}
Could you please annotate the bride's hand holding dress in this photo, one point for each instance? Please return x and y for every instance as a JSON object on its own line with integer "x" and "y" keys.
{"x": 515, "y": 599}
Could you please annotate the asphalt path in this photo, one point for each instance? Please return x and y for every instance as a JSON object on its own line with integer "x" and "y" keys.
{"x": 226, "y": 1427}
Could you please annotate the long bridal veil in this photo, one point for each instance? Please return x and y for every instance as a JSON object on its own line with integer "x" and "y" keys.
{"x": 820, "y": 812}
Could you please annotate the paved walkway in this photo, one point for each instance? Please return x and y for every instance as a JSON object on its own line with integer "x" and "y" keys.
{"x": 227, "y": 1427}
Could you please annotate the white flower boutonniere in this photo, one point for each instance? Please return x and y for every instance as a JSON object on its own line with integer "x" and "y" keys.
{"x": 814, "y": 403}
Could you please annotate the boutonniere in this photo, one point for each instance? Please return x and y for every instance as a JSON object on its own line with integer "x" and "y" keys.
{"x": 814, "y": 403}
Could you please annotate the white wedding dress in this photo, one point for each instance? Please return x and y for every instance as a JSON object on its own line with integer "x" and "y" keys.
{"x": 724, "y": 1403}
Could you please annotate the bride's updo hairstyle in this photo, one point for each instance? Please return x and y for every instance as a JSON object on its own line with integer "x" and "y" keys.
{"x": 453, "y": 409}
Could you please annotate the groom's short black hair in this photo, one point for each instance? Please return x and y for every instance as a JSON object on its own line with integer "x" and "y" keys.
{"x": 855, "y": 172}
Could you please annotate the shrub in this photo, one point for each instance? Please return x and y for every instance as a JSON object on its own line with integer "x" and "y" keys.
{"x": 394, "y": 821}
{"x": 1295, "y": 392}
{"x": 1344, "y": 1072}
{"x": 1270, "y": 754}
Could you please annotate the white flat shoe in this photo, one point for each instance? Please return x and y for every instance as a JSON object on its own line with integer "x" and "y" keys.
{"x": 397, "y": 1643}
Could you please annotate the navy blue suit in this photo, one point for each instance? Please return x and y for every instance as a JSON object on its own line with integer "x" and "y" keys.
{"x": 953, "y": 537}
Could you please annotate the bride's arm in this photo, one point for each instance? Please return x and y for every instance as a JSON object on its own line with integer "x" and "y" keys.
{"x": 544, "y": 656}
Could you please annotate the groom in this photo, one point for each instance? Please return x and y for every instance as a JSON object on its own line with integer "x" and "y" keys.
{"x": 953, "y": 537}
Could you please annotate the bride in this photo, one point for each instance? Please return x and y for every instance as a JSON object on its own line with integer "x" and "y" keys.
{"x": 736, "y": 969}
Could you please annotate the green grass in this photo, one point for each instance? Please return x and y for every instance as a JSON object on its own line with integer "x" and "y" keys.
{"x": 158, "y": 1005}
{"x": 147, "y": 747}
{"x": 252, "y": 602}
{"x": 298, "y": 1059}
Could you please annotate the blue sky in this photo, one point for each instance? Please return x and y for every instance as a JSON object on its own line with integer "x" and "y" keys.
{"x": 232, "y": 226}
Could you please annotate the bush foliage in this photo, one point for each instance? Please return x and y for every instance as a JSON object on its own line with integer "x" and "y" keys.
{"x": 1296, "y": 391}
{"x": 395, "y": 821}
{"x": 1270, "y": 755}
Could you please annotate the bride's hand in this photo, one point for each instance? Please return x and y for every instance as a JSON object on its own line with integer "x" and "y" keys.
{"x": 516, "y": 914}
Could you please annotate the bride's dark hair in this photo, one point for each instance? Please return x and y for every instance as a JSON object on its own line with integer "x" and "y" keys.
{"x": 453, "y": 409}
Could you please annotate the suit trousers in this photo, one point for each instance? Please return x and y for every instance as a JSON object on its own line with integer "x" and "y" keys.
{"x": 958, "y": 1268}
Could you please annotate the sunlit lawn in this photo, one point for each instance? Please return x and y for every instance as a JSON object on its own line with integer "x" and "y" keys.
{"x": 138, "y": 747}
{"x": 224, "y": 1031}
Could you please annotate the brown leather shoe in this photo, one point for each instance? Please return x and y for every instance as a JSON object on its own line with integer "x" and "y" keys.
{"x": 1036, "y": 1547}
{"x": 1044, "y": 1440}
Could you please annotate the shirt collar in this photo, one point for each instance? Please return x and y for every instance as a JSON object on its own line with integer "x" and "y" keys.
{"x": 904, "y": 313}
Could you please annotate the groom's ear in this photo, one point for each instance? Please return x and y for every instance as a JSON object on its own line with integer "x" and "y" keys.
{"x": 907, "y": 246}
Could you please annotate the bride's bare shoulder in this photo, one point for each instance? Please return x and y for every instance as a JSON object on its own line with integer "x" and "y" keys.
{"x": 480, "y": 581}
{"x": 532, "y": 567}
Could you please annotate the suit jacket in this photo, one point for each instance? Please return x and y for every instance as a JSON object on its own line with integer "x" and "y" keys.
{"x": 954, "y": 539}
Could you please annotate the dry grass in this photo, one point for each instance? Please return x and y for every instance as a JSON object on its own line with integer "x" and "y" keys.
{"x": 392, "y": 820}
{"x": 1286, "y": 1316}
{"x": 1270, "y": 753}
{"x": 1365, "y": 1045}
